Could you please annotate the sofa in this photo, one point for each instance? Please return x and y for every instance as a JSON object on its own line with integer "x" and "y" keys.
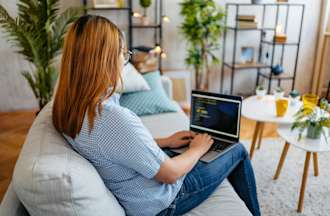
{"x": 52, "y": 179}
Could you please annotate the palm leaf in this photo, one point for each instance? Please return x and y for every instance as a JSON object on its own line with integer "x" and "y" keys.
{"x": 37, "y": 33}
{"x": 61, "y": 24}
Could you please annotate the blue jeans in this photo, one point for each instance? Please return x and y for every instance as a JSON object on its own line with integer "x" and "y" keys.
{"x": 204, "y": 178}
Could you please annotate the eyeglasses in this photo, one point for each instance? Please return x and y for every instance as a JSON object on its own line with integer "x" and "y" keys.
{"x": 127, "y": 56}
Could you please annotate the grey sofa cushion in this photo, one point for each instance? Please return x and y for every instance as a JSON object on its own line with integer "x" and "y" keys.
{"x": 52, "y": 179}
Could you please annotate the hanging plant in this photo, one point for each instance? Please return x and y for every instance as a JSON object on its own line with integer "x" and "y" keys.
{"x": 202, "y": 27}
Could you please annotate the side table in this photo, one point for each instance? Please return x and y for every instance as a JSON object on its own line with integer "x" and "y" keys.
{"x": 311, "y": 146}
{"x": 262, "y": 111}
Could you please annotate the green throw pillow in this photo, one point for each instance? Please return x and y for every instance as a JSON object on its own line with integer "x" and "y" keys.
{"x": 149, "y": 102}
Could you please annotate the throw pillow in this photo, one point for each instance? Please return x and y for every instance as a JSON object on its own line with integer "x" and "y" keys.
{"x": 149, "y": 102}
{"x": 132, "y": 80}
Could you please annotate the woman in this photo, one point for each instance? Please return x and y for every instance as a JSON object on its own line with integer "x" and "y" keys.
{"x": 131, "y": 163}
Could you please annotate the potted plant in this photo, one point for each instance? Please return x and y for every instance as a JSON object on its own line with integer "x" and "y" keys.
{"x": 278, "y": 93}
{"x": 145, "y": 4}
{"x": 294, "y": 97}
{"x": 316, "y": 122}
{"x": 38, "y": 34}
{"x": 202, "y": 27}
{"x": 260, "y": 92}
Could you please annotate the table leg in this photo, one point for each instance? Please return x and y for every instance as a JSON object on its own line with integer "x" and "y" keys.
{"x": 316, "y": 165}
{"x": 261, "y": 131}
{"x": 282, "y": 159}
{"x": 254, "y": 139}
{"x": 303, "y": 183}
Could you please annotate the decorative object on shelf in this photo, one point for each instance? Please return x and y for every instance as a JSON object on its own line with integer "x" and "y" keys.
{"x": 316, "y": 122}
{"x": 277, "y": 69}
{"x": 40, "y": 41}
{"x": 278, "y": 93}
{"x": 145, "y": 59}
{"x": 279, "y": 37}
{"x": 247, "y": 22}
{"x": 294, "y": 97}
{"x": 281, "y": 106}
{"x": 202, "y": 27}
{"x": 106, "y": 3}
{"x": 145, "y": 4}
{"x": 260, "y": 92}
{"x": 247, "y": 55}
{"x": 256, "y": 1}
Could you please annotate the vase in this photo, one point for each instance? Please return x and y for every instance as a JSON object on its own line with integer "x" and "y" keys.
{"x": 314, "y": 132}
{"x": 145, "y": 20}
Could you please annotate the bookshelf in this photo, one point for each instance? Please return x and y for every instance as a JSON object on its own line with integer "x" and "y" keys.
{"x": 263, "y": 70}
{"x": 156, "y": 25}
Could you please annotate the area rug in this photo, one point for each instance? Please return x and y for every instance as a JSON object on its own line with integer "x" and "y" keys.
{"x": 280, "y": 197}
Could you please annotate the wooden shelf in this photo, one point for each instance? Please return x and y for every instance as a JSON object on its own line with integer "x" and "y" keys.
{"x": 249, "y": 29}
{"x": 145, "y": 26}
{"x": 283, "y": 76}
{"x": 110, "y": 8}
{"x": 281, "y": 44}
{"x": 241, "y": 66}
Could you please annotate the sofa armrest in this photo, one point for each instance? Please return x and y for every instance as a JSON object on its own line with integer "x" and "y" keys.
{"x": 10, "y": 205}
{"x": 168, "y": 86}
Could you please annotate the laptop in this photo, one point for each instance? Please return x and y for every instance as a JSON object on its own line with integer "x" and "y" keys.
{"x": 218, "y": 115}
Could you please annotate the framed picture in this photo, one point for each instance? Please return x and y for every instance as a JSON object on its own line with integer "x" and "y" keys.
{"x": 247, "y": 55}
{"x": 105, "y": 3}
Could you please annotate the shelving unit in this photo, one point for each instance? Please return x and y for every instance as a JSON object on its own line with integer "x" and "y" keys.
{"x": 234, "y": 65}
{"x": 156, "y": 26}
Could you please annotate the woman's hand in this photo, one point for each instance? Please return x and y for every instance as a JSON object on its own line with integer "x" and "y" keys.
{"x": 202, "y": 143}
{"x": 180, "y": 139}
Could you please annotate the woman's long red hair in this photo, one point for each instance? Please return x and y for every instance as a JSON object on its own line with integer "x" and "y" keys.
{"x": 90, "y": 66}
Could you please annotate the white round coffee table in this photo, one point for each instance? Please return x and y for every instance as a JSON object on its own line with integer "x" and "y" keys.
{"x": 262, "y": 111}
{"x": 311, "y": 146}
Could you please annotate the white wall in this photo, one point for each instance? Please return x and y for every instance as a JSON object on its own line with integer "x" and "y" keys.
{"x": 16, "y": 94}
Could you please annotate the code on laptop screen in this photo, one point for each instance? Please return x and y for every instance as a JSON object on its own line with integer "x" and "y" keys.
{"x": 214, "y": 114}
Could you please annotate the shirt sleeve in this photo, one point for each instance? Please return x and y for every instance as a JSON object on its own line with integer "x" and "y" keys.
{"x": 123, "y": 139}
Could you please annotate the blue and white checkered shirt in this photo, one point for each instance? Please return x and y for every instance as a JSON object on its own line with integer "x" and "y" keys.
{"x": 127, "y": 158}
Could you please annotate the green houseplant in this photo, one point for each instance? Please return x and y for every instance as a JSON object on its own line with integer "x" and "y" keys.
{"x": 37, "y": 33}
{"x": 316, "y": 121}
{"x": 202, "y": 28}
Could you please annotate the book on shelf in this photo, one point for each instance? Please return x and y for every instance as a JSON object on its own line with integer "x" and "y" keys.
{"x": 247, "y": 25}
{"x": 280, "y": 38}
{"x": 247, "y": 18}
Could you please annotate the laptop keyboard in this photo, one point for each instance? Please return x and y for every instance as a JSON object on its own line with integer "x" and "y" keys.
{"x": 219, "y": 146}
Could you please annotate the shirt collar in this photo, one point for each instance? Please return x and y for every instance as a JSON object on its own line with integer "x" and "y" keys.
{"x": 113, "y": 99}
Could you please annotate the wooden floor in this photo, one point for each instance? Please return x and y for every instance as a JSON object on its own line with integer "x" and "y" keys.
{"x": 15, "y": 125}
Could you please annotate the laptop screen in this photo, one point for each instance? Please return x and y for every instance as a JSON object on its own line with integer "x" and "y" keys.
{"x": 220, "y": 116}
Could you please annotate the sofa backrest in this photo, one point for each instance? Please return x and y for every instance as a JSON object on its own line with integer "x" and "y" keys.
{"x": 52, "y": 179}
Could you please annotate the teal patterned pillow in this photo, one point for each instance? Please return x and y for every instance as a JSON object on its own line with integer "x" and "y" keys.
{"x": 149, "y": 102}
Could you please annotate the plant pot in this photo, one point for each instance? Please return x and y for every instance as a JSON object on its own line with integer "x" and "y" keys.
{"x": 261, "y": 93}
{"x": 314, "y": 132}
{"x": 144, "y": 20}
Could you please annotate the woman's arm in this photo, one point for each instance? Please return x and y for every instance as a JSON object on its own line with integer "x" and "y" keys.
{"x": 174, "y": 168}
